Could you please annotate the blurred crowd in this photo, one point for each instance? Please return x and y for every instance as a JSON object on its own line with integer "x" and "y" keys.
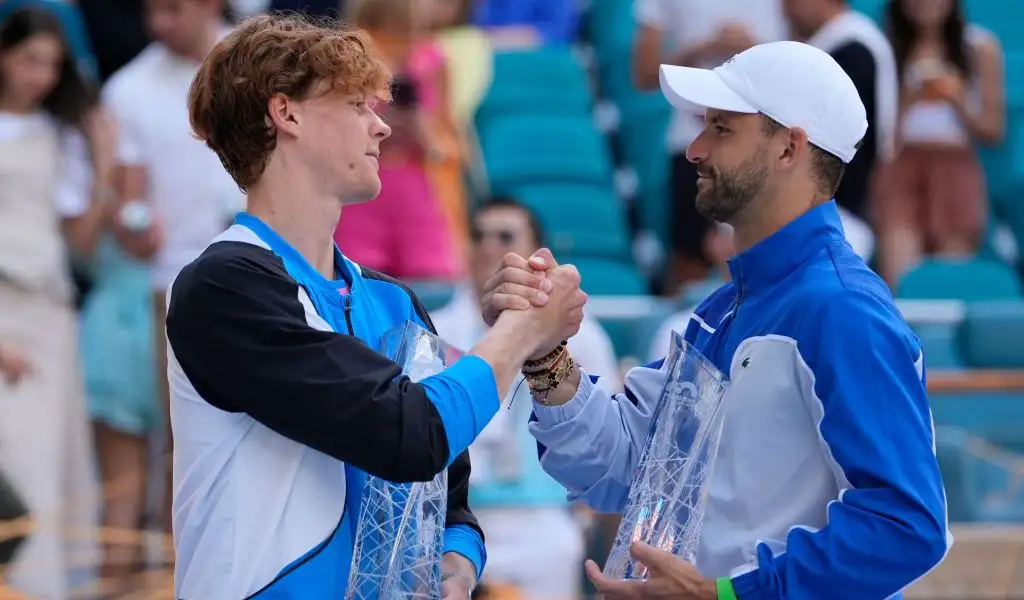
{"x": 105, "y": 195}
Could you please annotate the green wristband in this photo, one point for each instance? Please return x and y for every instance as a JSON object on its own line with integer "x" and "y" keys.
{"x": 725, "y": 589}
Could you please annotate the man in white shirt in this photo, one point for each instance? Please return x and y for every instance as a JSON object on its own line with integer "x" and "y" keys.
{"x": 694, "y": 34}
{"x": 864, "y": 52}
{"x": 533, "y": 541}
{"x": 175, "y": 194}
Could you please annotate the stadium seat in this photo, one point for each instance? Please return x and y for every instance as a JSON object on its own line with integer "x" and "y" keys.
{"x": 632, "y": 334}
{"x": 602, "y": 277}
{"x": 532, "y": 149}
{"x": 941, "y": 345}
{"x": 579, "y": 220}
{"x": 990, "y": 336}
{"x": 611, "y": 27}
{"x": 872, "y": 8}
{"x": 433, "y": 294}
{"x": 644, "y": 121}
{"x": 548, "y": 81}
{"x": 967, "y": 280}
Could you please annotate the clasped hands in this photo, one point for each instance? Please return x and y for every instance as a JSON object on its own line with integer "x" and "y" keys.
{"x": 547, "y": 295}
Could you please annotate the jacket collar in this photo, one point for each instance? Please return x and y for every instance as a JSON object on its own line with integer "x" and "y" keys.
{"x": 787, "y": 249}
{"x": 296, "y": 264}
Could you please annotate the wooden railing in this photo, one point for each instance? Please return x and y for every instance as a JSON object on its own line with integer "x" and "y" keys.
{"x": 976, "y": 381}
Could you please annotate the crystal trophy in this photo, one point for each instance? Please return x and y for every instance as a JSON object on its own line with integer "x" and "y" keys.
{"x": 667, "y": 496}
{"x": 400, "y": 532}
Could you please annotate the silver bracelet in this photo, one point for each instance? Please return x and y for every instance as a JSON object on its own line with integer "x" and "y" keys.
{"x": 446, "y": 575}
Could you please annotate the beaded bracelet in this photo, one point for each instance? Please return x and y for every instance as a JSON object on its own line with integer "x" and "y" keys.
{"x": 544, "y": 360}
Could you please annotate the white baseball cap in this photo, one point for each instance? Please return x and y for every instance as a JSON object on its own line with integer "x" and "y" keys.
{"x": 792, "y": 83}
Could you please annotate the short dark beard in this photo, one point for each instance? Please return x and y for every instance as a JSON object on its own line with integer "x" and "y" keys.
{"x": 731, "y": 192}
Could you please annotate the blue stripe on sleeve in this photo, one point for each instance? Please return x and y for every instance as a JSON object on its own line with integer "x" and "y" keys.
{"x": 466, "y": 397}
{"x": 466, "y": 541}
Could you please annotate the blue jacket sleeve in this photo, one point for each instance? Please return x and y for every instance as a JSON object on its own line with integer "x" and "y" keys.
{"x": 462, "y": 534}
{"x": 592, "y": 444}
{"x": 888, "y": 526}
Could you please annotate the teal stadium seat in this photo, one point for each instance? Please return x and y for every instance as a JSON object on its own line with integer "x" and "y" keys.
{"x": 548, "y": 81}
{"x": 579, "y": 220}
{"x": 543, "y": 149}
{"x": 992, "y": 335}
{"x": 644, "y": 120}
{"x": 433, "y": 294}
{"x": 611, "y": 27}
{"x": 603, "y": 277}
{"x": 967, "y": 280}
{"x": 632, "y": 332}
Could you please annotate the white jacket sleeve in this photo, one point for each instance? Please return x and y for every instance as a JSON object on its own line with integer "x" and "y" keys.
{"x": 592, "y": 444}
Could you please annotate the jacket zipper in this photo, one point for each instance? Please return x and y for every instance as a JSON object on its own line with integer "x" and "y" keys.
{"x": 348, "y": 313}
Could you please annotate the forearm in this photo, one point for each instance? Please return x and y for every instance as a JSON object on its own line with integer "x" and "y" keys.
{"x": 83, "y": 231}
{"x": 455, "y": 562}
{"x": 985, "y": 126}
{"x": 591, "y": 444}
{"x": 506, "y": 346}
{"x": 458, "y": 571}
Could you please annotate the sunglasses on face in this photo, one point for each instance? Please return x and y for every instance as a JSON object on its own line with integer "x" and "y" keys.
{"x": 505, "y": 237}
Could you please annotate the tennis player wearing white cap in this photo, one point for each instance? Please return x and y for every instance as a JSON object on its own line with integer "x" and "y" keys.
{"x": 826, "y": 485}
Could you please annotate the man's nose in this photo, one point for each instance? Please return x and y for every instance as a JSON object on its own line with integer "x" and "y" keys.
{"x": 696, "y": 152}
{"x": 380, "y": 130}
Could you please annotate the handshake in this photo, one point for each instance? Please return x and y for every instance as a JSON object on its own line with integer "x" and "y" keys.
{"x": 542, "y": 299}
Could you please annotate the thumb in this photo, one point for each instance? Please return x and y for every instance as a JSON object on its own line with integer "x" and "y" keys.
{"x": 543, "y": 260}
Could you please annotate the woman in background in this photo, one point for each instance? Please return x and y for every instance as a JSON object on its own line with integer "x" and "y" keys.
{"x": 56, "y": 157}
{"x": 401, "y": 31}
{"x": 117, "y": 347}
{"x": 932, "y": 199}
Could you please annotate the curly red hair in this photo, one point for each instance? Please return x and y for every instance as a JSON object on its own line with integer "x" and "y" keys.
{"x": 269, "y": 55}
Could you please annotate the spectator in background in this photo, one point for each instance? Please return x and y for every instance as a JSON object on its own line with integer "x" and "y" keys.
{"x": 863, "y": 51}
{"x": 399, "y": 234}
{"x": 174, "y": 196}
{"x": 933, "y": 199}
{"x": 696, "y": 34}
{"x": 533, "y": 541}
{"x": 118, "y": 356}
{"x": 76, "y": 34}
{"x": 470, "y": 59}
{"x": 512, "y": 23}
{"x": 56, "y": 154}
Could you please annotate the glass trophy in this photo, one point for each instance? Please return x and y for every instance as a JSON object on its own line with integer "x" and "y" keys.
{"x": 400, "y": 532}
{"x": 667, "y": 496}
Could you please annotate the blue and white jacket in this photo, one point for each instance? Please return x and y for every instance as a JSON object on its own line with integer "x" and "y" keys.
{"x": 281, "y": 405}
{"x": 826, "y": 483}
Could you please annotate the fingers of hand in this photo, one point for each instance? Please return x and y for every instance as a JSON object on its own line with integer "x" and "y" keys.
{"x": 658, "y": 560}
{"x": 534, "y": 296}
{"x": 543, "y": 260}
{"x": 614, "y": 588}
{"x": 508, "y": 276}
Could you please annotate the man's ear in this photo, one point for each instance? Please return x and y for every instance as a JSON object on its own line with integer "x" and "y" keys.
{"x": 284, "y": 114}
{"x": 795, "y": 147}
